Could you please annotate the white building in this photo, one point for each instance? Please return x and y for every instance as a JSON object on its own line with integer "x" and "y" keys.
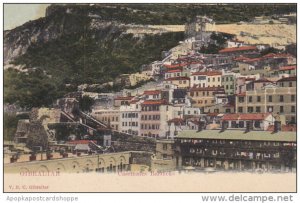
{"x": 173, "y": 73}
{"x": 206, "y": 79}
{"x": 130, "y": 118}
{"x": 156, "y": 67}
{"x": 235, "y": 43}
{"x": 256, "y": 121}
{"x": 191, "y": 111}
{"x": 109, "y": 116}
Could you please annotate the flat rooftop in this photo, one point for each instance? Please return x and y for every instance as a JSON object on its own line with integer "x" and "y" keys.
{"x": 239, "y": 135}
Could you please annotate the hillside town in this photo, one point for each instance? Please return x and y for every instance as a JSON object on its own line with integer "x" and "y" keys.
{"x": 191, "y": 111}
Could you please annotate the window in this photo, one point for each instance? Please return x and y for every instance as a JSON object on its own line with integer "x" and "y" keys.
{"x": 281, "y": 99}
{"x": 241, "y": 99}
{"x": 240, "y": 109}
{"x": 270, "y": 99}
{"x": 293, "y": 109}
{"x": 290, "y": 84}
{"x": 292, "y": 98}
{"x": 257, "y": 124}
{"x": 258, "y": 98}
{"x": 250, "y": 98}
{"x": 227, "y": 111}
{"x": 281, "y": 109}
{"x": 226, "y": 79}
{"x": 241, "y": 124}
{"x": 219, "y": 79}
{"x": 258, "y": 109}
{"x": 208, "y": 79}
{"x": 250, "y": 109}
{"x": 165, "y": 146}
{"x": 270, "y": 108}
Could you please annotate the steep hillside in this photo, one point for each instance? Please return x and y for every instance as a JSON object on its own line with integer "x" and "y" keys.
{"x": 75, "y": 44}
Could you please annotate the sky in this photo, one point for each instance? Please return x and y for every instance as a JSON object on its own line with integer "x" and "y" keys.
{"x": 18, "y": 14}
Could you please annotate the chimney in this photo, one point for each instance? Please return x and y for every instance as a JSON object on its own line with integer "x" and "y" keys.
{"x": 223, "y": 126}
{"x": 200, "y": 126}
{"x": 249, "y": 126}
{"x": 277, "y": 126}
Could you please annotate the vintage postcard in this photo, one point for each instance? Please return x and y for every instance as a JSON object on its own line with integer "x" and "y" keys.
{"x": 130, "y": 97}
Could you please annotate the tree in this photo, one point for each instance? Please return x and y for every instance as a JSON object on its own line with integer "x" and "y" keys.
{"x": 269, "y": 50}
{"x": 37, "y": 136}
{"x": 85, "y": 103}
{"x": 10, "y": 126}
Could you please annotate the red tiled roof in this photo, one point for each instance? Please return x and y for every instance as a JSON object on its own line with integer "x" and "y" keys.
{"x": 253, "y": 59}
{"x": 212, "y": 114}
{"x": 81, "y": 141}
{"x": 177, "y": 121}
{"x": 197, "y": 62}
{"x": 208, "y": 73}
{"x": 177, "y": 78}
{"x": 124, "y": 98}
{"x": 241, "y": 58}
{"x": 293, "y": 78}
{"x": 173, "y": 71}
{"x": 272, "y": 55}
{"x": 228, "y": 117}
{"x": 234, "y": 49}
{"x": 133, "y": 101}
{"x": 250, "y": 79}
{"x": 241, "y": 94}
{"x": 287, "y": 68}
{"x": 175, "y": 65}
{"x": 151, "y": 92}
{"x": 245, "y": 116}
{"x": 154, "y": 102}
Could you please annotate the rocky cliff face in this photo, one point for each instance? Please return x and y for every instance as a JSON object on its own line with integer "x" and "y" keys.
{"x": 59, "y": 21}
{"x": 63, "y": 20}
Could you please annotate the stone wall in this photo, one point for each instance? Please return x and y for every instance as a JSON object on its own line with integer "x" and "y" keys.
{"x": 105, "y": 162}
